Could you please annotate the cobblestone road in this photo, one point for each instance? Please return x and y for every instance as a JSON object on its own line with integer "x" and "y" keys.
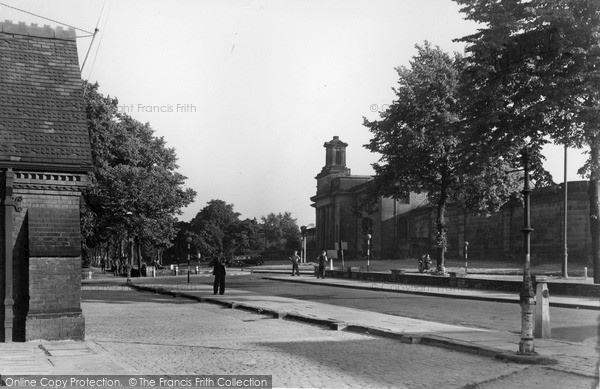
{"x": 156, "y": 334}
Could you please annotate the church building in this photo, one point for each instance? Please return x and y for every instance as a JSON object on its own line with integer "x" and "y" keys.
{"x": 405, "y": 228}
{"x": 341, "y": 215}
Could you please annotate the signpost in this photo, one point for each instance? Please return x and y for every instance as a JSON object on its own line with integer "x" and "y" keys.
{"x": 341, "y": 246}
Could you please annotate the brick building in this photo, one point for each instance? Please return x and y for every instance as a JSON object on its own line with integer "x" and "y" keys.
{"x": 405, "y": 228}
{"x": 44, "y": 159}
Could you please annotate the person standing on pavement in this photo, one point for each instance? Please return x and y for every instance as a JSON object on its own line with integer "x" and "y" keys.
{"x": 219, "y": 273}
{"x": 295, "y": 259}
{"x": 322, "y": 261}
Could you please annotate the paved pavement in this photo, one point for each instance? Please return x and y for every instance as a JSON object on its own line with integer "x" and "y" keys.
{"x": 559, "y": 355}
{"x": 90, "y": 357}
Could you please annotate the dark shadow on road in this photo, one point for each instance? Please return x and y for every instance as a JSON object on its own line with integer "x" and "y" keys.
{"x": 575, "y": 333}
{"x": 364, "y": 359}
{"x": 129, "y": 297}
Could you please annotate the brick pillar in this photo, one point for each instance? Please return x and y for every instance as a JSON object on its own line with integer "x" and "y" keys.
{"x": 47, "y": 257}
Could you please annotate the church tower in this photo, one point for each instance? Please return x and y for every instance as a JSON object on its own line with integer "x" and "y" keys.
{"x": 335, "y": 200}
{"x": 335, "y": 164}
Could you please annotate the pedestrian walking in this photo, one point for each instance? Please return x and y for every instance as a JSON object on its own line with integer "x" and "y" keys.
{"x": 322, "y": 261}
{"x": 295, "y": 259}
{"x": 103, "y": 265}
{"x": 219, "y": 273}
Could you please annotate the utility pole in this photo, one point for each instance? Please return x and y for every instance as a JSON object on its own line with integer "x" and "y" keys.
{"x": 565, "y": 272}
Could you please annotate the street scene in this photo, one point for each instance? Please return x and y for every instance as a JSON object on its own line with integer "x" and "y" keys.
{"x": 300, "y": 194}
{"x": 207, "y": 337}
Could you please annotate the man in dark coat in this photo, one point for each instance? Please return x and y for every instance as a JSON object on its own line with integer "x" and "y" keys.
{"x": 219, "y": 273}
{"x": 322, "y": 261}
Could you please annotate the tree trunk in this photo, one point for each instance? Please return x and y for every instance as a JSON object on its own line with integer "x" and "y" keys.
{"x": 441, "y": 232}
{"x": 138, "y": 242}
{"x": 108, "y": 259}
{"x": 593, "y": 192}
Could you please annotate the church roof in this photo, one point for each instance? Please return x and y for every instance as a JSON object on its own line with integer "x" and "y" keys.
{"x": 42, "y": 113}
{"x": 335, "y": 142}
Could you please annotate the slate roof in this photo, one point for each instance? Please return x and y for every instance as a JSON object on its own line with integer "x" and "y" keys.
{"x": 42, "y": 114}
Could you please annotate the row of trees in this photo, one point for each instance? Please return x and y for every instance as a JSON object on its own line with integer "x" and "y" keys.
{"x": 531, "y": 74}
{"x": 135, "y": 192}
{"x": 130, "y": 208}
{"x": 218, "y": 230}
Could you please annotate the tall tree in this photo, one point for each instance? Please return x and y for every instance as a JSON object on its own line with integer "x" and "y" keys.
{"x": 534, "y": 72}
{"x": 280, "y": 231}
{"x": 211, "y": 225}
{"x": 218, "y": 230}
{"x": 136, "y": 190}
{"x": 420, "y": 140}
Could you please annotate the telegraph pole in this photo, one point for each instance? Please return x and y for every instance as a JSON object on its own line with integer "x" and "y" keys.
{"x": 565, "y": 272}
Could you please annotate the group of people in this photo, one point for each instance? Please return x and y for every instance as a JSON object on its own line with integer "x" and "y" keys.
{"x": 219, "y": 269}
{"x": 321, "y": 259}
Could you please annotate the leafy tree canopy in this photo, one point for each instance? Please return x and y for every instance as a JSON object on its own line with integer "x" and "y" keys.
{"x": 423, "y": 143}
{"x": 534, "y": 74}
{"x": 135, "y": 188}
{"x": 217, "y": 230}
{"x": 280, "y": 231}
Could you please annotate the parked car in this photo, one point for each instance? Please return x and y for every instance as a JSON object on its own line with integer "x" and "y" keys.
{"x": 254, "y": 260}
{"x": 246, "y": 260}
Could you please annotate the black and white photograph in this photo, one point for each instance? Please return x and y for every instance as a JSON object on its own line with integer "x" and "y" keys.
{"x": 300, "y": 194}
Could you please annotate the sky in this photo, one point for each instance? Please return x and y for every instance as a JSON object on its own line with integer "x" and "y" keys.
{"x": 247, "y": 91}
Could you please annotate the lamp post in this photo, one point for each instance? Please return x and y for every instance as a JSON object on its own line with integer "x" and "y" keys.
{"x": 466, "y": 255}
{"x": 130, "y": 260}
{"x": 303, "y": 232}
{"x": 368, "y": 251}
{"x": 128, "y": 215}
{"x": 526, "y": 345}
{"x": 188, "y": 240}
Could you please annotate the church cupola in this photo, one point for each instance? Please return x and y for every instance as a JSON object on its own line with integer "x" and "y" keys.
{"x": 335, "y": 154}
{"x": 335, "y": 158}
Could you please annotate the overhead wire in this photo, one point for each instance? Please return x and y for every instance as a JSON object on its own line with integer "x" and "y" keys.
{"x": 101, "y": 37}
{"x": 93, "y": 36}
